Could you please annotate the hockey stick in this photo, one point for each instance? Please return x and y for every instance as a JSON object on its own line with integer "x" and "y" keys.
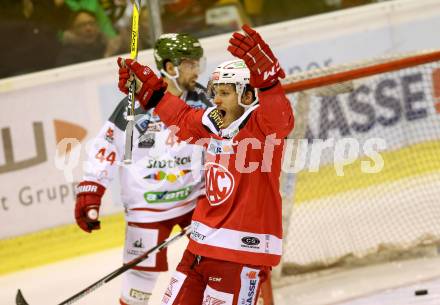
{"x": 20, "y": 300}
{"x": 132, "y": 89}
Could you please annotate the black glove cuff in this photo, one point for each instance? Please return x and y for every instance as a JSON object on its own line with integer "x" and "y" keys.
{"x": 270, "y": 87}
{"x": 155, "y": 98}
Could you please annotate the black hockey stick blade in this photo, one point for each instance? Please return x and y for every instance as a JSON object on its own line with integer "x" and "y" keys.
{"x": 19, "y": 298}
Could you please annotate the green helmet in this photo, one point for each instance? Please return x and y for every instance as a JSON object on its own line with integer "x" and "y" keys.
{"x": 175, "y": 47}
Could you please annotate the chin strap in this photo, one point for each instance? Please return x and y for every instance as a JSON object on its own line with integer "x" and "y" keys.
{"x": 173, "y": 78}
{"x": 240, "y": 94}
{"x": 233, "y": 128}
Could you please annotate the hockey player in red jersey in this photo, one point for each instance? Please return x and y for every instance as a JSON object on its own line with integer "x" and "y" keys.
{"x": 236, "y": 229}
{"x": 160, "y": 189}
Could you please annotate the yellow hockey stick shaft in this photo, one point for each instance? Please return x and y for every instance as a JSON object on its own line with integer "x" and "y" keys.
{"x": 132, "y": 89}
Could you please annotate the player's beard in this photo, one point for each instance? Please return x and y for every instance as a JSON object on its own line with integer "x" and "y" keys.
{"x": 190, "y": 85}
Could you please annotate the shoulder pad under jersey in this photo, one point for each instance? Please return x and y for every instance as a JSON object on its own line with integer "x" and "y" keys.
{"x": 198, "y": 98}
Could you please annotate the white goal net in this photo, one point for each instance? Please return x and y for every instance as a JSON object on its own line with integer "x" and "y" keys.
{"x": 361, "y": 171}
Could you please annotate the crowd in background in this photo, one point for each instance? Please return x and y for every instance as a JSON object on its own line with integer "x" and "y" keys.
{"x": 43, "y": 34}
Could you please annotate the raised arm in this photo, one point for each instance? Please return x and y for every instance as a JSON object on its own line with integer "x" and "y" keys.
{"x": 275, "y": 113}
{"x": 185, "y": 121}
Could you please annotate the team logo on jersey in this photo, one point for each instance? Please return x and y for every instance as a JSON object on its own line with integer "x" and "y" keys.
{"x": 217, "y": 147}
{"x": 219, "y": 183}
{"x": 109, "y": 135}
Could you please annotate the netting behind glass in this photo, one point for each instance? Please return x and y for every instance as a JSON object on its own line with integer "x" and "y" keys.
{"x": 361, "y": 172}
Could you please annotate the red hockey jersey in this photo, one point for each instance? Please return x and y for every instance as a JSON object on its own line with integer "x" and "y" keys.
{"x": 239, "y": 220}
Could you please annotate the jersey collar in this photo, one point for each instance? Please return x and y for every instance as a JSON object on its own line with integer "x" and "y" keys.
{"x": 209, "y": 120}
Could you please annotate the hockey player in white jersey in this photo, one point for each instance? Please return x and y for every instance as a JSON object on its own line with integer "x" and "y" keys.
{"x": 160, "y": 188}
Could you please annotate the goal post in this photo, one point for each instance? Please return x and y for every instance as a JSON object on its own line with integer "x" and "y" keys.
{"x": 361, "y": 170}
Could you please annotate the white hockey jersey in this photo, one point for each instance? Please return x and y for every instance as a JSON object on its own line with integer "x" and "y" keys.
{"x": 165, "y": 176}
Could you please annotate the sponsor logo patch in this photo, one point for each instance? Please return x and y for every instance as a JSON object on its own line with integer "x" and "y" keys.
{"x": 215, "y": 76}
{"x": 195, "y": 235}
{"x": 168, "y": 196}
{"x": 249, "y": 285}
{"x": 215, "y": 279}
{"x": 147, "y": 140}
{"x": 218, "y": 147}
{"x": 215, "y": 297}
{"x": 155, "y": 127}
{"x": 139, "y": 295}
{"x": 138, "y": 243}
{"x": 169, "y": 292}
{"x": 209, "y": 300}
{"x": 170, "y": 163}
{"x": 251, "y": 292}
{"x": 216, "y": 119}
{"x": 170, "y": 177}
{"x": 252, "y": 275}
{"x": 250, "y": 241}
{"x": 86, "y": 189}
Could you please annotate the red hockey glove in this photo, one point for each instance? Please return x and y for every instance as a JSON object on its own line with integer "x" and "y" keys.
{"x": 265, "y": 68}
{"x": 149, "y": 88}
{"x": 88, "y": 201}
